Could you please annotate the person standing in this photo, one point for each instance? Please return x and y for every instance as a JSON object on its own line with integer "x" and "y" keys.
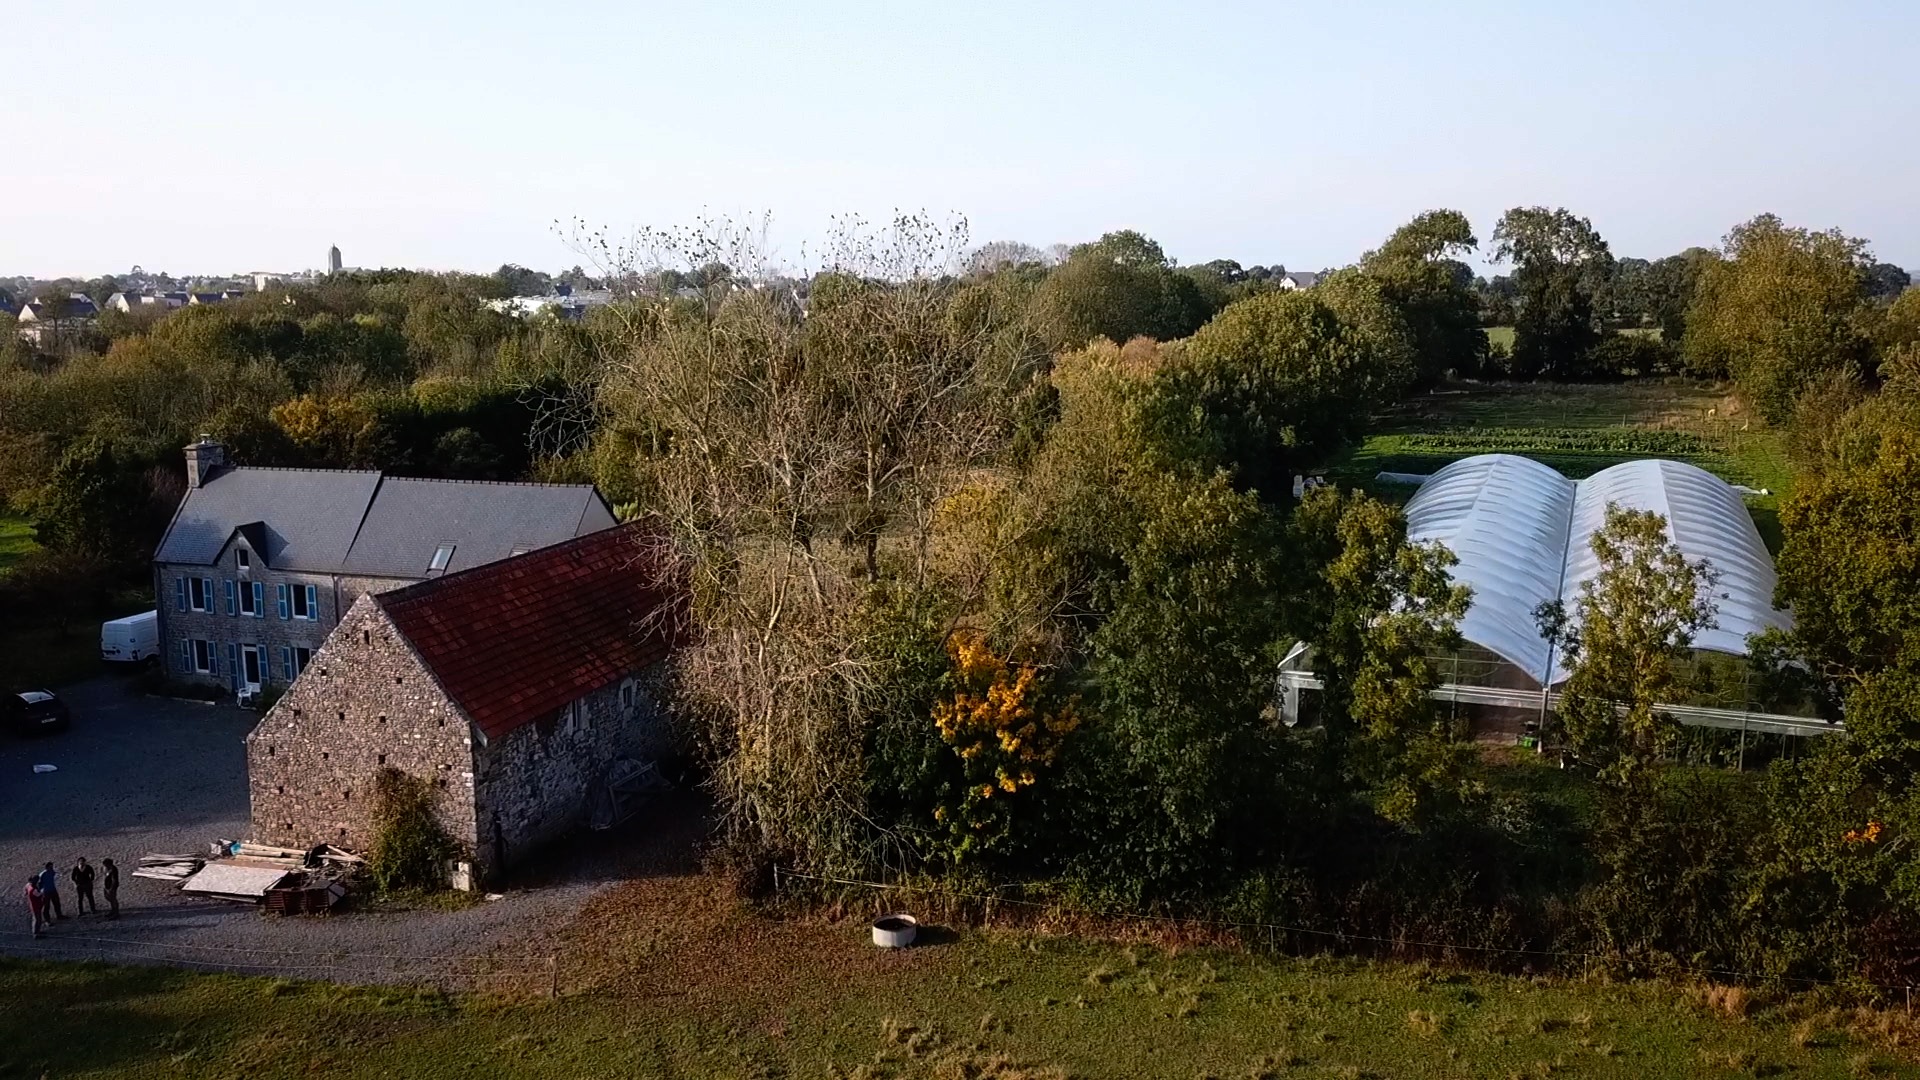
{"x": 37, "y": 904}
{"x": 50, "y": 893}
{"x": 82, "y": 876}
{"x": 110, "y": 884}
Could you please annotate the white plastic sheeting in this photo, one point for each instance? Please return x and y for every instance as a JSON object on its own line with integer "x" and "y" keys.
{"x": 1522, "y": 533}
{"x": 1505, "y": 517}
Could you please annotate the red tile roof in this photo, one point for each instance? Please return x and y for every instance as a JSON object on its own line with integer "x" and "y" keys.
{"x": 514, "y": 640}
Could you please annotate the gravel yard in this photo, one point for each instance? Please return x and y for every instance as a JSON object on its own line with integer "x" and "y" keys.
{"x": 138, "y": 774}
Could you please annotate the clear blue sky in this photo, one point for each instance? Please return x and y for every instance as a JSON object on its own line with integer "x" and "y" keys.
{"x": 451, "y": 135}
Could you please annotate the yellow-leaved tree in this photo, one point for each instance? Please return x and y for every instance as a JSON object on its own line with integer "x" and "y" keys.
{"x": 1007, "y": 725}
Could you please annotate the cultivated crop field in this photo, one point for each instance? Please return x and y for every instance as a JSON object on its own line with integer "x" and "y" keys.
{"x": 1578, "y": 429}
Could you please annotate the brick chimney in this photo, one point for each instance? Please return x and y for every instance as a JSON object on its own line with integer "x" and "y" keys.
{"x": 203, "y": 457}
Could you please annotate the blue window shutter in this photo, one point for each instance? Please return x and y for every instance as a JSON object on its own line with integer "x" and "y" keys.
{"x": 266, "y": 665}
{"x": 259, "y": 600}
{"x": 186, "y": 651}
{"x": 233, "y": 664}
{"x": 313, "y": 602}
{"x": 285, "y": 604}
{"x": 286, "y": 662}
{"x": 232, "y": 609}
{"x": 180, "y": 593}
{"x": 208, "y": 583}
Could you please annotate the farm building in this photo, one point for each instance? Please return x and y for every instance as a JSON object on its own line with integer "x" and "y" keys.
{"x": 259, "y": 564}
{"x": 1522, "y": 533}
{"x": 517, "y": 689}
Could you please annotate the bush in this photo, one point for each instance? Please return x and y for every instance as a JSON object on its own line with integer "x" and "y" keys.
{"x": 1622, "y": 356}
{"x": 410, "y": 848}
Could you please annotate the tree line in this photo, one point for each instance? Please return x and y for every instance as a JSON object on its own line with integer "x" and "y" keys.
{"x": 994, "y": 556}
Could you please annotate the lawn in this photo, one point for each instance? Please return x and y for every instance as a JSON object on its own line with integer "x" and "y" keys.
{"x": 16, "y": 540}
{"x": 811, "y": 999}
{"x": 40, "y": 652}
{"x": 1578, "y": 429}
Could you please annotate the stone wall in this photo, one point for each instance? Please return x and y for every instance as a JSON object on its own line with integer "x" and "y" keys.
{"x": 538, "y": 782}
{"x": 364, "y": 703}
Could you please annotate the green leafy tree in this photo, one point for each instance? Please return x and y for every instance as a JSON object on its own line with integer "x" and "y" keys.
{"x": 1885, "y": 281}
{"x": 94, "y": 502}
{"x": 1378, "y": 611}
{"x": 1633, "y": 622}
{"x": 1560, "y": 267}
{"x": 1420, "y": 273}
{"x": 1119, "y": 287}
{"x": 1899, "y": 327}
{"x": 1842, "y": 880}
{"x": 1782, "y": 309}
{"x": 1850, "y": 566}
{"x": 1280, "y": 379}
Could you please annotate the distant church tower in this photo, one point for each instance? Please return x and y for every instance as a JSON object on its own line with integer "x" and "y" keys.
{"x": 333, "y": 259}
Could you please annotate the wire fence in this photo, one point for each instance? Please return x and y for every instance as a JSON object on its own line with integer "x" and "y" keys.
{"x": 531, "y": 976}
{"x": 1281, "y": 937}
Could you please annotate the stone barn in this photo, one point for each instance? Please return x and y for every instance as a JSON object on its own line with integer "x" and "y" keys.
{"x": 518, "y": 689}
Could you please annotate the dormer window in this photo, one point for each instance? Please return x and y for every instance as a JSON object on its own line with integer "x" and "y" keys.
{"x": 442, "y": 555}
{"x": 242, "y": 559}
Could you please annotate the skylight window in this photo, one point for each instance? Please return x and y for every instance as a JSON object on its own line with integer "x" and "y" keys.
{"x": 442, "y": 555}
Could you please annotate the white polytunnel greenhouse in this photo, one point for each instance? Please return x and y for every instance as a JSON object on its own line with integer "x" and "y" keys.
{"x": 1522, "y": 533}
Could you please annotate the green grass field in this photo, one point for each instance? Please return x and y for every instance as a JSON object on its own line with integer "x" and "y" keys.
{"x": 37, "y": 653}
{"x": 16, "y": 540}
{"x": 1578, "y": 429}
{"x": 991, "y": 1005}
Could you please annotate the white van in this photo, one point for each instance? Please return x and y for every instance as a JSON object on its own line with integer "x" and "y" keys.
{"x": 132, "y": 639}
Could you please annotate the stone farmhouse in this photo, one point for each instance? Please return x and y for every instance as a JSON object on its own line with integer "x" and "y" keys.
{"x": 259, "y": 564}
{"x": 518, "y": 689}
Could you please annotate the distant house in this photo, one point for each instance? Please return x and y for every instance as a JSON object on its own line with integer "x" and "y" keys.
{"x": 258, "y": 564}
{"x": 563, "y": 302}
{"x": 139, "y": 301}
{"x": 47, "y": 320}
{"x": 206, "y": 297}
{"x": 1299, "y": 280}
{"x": 517, "y": 690}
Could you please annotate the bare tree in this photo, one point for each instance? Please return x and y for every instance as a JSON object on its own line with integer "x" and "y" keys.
{"x": 1000, "y": 254}
{"x": 774, "y": 436}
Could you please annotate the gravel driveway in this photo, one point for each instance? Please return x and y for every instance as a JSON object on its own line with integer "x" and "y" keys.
{"x": 139, "y": 774}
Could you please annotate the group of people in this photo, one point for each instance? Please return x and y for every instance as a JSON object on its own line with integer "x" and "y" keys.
{"x": 43, "y": 892}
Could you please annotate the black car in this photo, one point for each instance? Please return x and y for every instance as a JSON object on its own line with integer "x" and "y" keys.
{"x": 31, "y": 711}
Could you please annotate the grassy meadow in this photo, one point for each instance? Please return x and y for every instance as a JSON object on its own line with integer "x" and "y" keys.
{"x": 812, "y": 1000}
{"x": 16, "y": 540}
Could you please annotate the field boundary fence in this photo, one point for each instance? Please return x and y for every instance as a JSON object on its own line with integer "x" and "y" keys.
{"x": 1282, "y": 938}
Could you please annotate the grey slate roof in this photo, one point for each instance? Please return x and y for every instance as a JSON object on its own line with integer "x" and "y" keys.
{"x": 484, "y": 521}
{"x": 310, "y": 516}
{"x": 336, "y": 521}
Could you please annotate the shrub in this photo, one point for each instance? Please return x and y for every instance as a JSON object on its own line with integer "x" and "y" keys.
{"x": 410, "y": 847}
